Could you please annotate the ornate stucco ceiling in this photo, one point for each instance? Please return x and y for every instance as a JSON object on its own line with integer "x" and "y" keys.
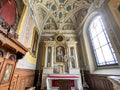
{"x": 61, "y": 14}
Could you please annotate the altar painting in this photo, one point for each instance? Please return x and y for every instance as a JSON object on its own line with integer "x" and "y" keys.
{"x": 60, "y": 52}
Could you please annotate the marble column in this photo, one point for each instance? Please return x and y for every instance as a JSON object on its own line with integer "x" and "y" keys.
{"x": 69, "y": 54}
{"x": 52, "y": 56}
{"x": 76, "y": 58}
{"x": 46, "y": 53}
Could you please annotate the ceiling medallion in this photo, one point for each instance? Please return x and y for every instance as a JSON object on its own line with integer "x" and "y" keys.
{"x": 60, "y": 38}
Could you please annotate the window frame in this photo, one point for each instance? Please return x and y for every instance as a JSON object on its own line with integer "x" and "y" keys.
{"x": 108, "y": 44}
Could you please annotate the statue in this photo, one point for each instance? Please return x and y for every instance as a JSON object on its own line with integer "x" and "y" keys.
{"x": 69, "y": 62}
{"x": 66, "y": 63}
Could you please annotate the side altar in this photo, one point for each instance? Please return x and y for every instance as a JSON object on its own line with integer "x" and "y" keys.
{"x": 61, "y": 64}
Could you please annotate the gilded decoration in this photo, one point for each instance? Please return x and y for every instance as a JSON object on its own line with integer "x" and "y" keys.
{"x": 60, "y": 52}
{"x": 60, "y": 39}
{"x": 60, "y": 55}
{"x": 34, "y": 42}
{"x": 61, "y": 11}
{"x": 60, "y": 49}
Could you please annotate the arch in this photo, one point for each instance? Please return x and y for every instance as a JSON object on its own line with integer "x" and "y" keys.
{"x": 12, "y": 57}
{"x": 92, "y": 54}
{"x": 90, "y": 58}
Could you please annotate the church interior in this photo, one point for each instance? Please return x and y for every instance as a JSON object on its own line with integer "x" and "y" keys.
{"x": 59, "y": 44}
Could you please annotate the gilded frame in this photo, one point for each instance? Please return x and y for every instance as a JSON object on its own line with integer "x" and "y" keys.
{"x": 60, "y": 39}
{"x": 63, "y": 53}
{"x": 35, "y": 33}
{"x": 7, "y": 71}
{"x": 60, "y": 42}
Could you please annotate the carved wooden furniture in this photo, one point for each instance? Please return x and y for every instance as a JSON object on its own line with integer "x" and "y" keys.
{"x": 22, "y": 79}
{"x": 10, "y": 51}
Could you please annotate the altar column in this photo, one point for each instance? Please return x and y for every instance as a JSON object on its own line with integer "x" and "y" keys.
{"x": 52, "y": 56}
{"x": 76, "y": 58}
{"x": 46, "y": 54}
{"x": 69, "y": 53}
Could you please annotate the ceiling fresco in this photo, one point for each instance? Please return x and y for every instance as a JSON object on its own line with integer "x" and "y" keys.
{"x": 61, "y": 14}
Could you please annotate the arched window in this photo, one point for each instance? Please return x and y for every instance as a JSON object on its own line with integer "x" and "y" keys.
{"x": 103, "y": 51}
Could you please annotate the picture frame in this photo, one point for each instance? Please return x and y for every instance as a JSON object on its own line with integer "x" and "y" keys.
{"x": 60, "y": 52}
{"x": 15, "y": 9}
{"x": 7, "y": 71}
{"x": 34, "y": 45}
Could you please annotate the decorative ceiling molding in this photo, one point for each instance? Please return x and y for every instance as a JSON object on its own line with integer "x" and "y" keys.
{"x": 50, "y": 24}
{"x": 66, "y": 14}
{"x": 94, "y": 6}
{"x": 67, "y": 33}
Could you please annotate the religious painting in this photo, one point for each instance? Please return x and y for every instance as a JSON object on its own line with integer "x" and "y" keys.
{"x": 10, "y": 12}
{"x": 8, "y": 71}
{"x": 60, "y": 52}
{"x": 114, "y": 6}
{"x": 35, "y": 42}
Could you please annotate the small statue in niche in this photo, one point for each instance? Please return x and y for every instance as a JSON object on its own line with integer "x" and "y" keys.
{"x": 66, "y": 63}
{"x": 69, "y": 62}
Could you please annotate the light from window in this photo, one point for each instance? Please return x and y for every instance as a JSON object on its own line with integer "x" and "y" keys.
{"x": 102, "y": 48}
